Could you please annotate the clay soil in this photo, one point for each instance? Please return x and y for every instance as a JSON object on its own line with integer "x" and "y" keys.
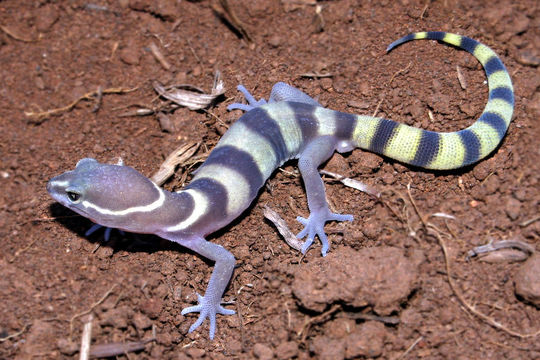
{"x": 403, "y": 303}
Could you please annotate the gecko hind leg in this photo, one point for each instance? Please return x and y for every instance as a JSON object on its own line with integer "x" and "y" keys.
{"x": 317, "y": 152}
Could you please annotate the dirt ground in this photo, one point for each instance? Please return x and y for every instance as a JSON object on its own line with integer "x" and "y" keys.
{"x": 395, "y": 285}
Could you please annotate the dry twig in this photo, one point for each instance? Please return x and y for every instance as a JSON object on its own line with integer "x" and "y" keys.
{"x": 159, "y": 56}
{"x": 177, "y": 157}
{"x": 282, "y": 228}
{"x": 502, "y": 251}
{"x": 307, "y": 325}
{"x": 15, "y": 334}
{"x": 40, "y": 116}
{"x": 14, "y": 34}
{"x": 89, "y": 310}
{"x": 229, "y": 16}
{"x": 86, "y": 338}
{"x": 315, "y": 75}
{"x": 409, "y": 349}
{"x": 119, "y": 348}
{"x": 352, "y": 183}
{"x": 461, "y": 78}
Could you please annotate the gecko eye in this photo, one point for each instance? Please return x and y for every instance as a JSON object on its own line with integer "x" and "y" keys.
{"x": 73, "y": 196}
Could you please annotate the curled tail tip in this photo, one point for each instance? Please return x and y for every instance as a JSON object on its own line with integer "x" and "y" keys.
{"x": 404, "y": 39}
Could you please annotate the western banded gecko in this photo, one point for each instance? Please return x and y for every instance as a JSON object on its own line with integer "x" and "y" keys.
{"x": 291, "y": 125}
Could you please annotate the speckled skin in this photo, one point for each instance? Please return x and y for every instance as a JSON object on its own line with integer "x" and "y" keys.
{"x": 291, "y": 125}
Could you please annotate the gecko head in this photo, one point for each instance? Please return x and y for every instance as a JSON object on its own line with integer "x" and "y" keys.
{"x": 107, "y": 194}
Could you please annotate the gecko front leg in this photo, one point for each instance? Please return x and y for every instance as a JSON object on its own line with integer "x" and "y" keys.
{"x": 210, "y": 304}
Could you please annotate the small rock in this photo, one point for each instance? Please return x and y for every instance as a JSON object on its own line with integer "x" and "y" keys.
{"x": 417, "y": 109}
{"x": 67, "y": 347}
{"x": 195, "y": 353}
{"x": 165, "y": 123}
{"x": 337, "y": 164}
{"x": 442, "y": 102}
{"x": 388, "y": 178}
{"x": 527, "y": 57}
{"x": 117, "y": 318}
{"x": 366, "y": 162}
{"x": 47, "y": 16}
{"x": 274, "y": 41}
{"x": 287, "y": 350}
{"x": 104, "y": 252}
{"x": 130, "y": 54}
{"x": 197, "y": 70}
{"x": 234, "y": 346}
{"x": 141, "y": 321}
{"x": 527, "y": 280}
{"x": 513, "y": 208}
{"x": 519, "y": 24}
{"x": 326, "y": 83}
{"x": 168, "y": 267}
{"x": 358, "y": 104}
{"x": 328, "y": 349}
{"x": 164, "y": 9}
{"x": 368, "y": 341}
{"x": 152, "y": 307}
{"x": 468, "y": 109}
{"x": 262, "y": 352}
{"x": 371, "y": 229}
{"x": 365, "y": 89}
{"x": 482, "y": 170}
{"x": 165, "y": 338}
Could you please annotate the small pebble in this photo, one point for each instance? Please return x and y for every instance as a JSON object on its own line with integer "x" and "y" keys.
{"x": 262, "y": 352}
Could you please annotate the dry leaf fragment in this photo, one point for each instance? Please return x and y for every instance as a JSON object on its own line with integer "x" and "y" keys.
{"x": 194, "y": 98}
{"x": 355, "y": 184}
{"x": 178, "y": 156}
{"x": 282, "y": 228}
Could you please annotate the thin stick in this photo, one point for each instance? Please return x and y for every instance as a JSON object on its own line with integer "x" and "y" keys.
{"x": 86, "y": 338}
{"x": 15, "y": 335}
{"x": 38, "y": 117}
{"x": 16, "y": 36}
{"x": 159, "y": 56}
{"x": 90, "y": 309}
{"x": 409, "y": 349}
{"x": 307, "y": 324}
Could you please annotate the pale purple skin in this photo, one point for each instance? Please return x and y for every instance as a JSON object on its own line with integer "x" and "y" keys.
{"x": 116, "y": 187}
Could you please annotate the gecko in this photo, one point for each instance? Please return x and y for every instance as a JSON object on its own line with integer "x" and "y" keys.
{"x": 290, "y": 125}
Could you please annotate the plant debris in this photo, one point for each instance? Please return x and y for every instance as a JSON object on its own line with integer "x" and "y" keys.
{"x": 190, "y": 96}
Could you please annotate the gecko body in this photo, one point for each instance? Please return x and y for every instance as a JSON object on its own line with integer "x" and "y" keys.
{"x": 291, "y": 125}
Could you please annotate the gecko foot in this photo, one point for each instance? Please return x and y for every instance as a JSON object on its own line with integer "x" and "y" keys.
{"x": 107, "y": 234}
{"x": 252, "y": 103}
{"x": 314, "y": 225}
{"x": 207, "y": 309}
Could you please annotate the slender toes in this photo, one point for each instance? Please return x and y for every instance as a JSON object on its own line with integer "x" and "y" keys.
{"x": 206, "y": 310}
{"x": 342, "y": 217}
{"x": 314, "y": 226}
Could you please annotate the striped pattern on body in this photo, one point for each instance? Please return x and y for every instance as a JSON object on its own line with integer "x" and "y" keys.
{"x": 268, "y": 135}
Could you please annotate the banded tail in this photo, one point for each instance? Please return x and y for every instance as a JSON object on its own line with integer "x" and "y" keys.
{"x": 449, "y": 150}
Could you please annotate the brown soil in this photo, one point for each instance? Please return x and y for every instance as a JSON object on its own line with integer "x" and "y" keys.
{"x": 53, "y": 52}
